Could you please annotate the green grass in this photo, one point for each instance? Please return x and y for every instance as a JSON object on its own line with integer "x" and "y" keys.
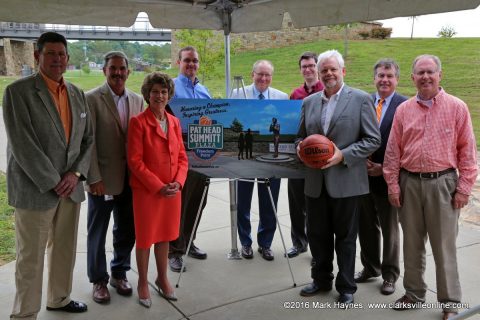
{"x": 460, "y": 58}
{"x": 7, "y": 228}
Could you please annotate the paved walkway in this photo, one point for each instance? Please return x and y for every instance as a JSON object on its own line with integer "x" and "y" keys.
{"x": 218, "y": 288}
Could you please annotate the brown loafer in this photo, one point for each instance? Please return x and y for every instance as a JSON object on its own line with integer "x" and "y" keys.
{"x": 100, "y": 292}
{"x": 405, "y": 303}
{"x": 387, "y": 287}
{"x": 123, "y": 287}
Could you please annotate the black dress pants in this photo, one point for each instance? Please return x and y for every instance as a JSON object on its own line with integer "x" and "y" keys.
{"x": 191, "y": 197}
{"x": 298, "y": 215}
{"x": 332, "y": 224}
{"x": 378, "y": 219}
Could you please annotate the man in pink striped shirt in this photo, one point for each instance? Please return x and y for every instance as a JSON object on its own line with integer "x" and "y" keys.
{"x": 430, "y": 167}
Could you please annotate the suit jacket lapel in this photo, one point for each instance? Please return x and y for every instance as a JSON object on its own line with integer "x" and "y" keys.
{"x": 316, "y": 111}
{"x": 49, "y": 105}
{"x": 388, "y": 117}
{"x": 73, "y": 102}
{"x": 110, "y": 103}
{"x": 250, "y": 93}
{"x": 342, "y": 102}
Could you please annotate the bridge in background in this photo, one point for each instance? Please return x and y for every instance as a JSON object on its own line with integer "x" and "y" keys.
{"x": 140, "y": 31}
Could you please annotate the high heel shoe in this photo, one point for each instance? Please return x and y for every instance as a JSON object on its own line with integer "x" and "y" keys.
{"x": 169, "y": 296}
{"x": 147, "y": 303}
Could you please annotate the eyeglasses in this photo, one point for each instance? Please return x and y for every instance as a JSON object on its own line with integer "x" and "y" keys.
{"x": 262, "y": 75}
{"x": 308, "y": 66}
{"x": 187, "y": 60}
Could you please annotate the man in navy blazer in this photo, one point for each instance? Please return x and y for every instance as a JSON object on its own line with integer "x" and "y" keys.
{"x": 377, "y": 216}
{"x": 332, "y": 193}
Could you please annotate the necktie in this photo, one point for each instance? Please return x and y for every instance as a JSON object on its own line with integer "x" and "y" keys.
{"x": 261, "y": 96}
{"x": 379, "y": 109}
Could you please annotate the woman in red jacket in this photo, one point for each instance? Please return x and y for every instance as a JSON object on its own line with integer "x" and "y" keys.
{"x": 158, "y": 165}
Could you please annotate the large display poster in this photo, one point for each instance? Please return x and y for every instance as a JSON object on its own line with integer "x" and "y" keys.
{"x": 229, "y": 138}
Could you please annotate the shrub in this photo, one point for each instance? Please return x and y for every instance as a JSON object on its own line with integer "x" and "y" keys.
{"x": 446, "y": 32}
{"x": 86, "y": 68}
{"x": 364, "y": 34}
{"x": 381, "y": 33}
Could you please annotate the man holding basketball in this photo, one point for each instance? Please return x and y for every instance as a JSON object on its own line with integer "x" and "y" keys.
{"x": 430, "y": 168}
{"x": 346, "y": 116}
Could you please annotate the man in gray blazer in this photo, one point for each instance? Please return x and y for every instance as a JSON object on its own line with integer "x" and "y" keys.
{"x": 111, "y": 106}
{"x": 377, "y": 217}
{"x": 50, "y": 141}
{"x": 347, "y": 117}
{"x": 260, "y": 89}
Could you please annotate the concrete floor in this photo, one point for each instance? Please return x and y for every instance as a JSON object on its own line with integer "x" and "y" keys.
{"x": 218, "y": 288}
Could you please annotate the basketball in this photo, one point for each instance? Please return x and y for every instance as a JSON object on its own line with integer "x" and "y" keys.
{"x": 315, "y": 150}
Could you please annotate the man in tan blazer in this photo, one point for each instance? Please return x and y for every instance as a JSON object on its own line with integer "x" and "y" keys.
{"x": 112, "y": 106}
{"x": 50, "y": 141}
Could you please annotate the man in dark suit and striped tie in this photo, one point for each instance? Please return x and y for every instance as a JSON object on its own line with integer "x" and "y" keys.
{"x": 378, "y": 218}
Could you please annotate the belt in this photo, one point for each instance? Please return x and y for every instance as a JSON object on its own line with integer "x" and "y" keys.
{"x": 429, "y": 175}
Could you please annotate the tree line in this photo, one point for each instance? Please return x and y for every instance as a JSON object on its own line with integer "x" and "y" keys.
{"x": 93, "y": 51}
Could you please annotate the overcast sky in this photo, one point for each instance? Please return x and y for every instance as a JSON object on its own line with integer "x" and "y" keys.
{"x": 466, "y": 23}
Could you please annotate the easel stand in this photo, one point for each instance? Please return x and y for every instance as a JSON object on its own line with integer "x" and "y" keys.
{"x": 195, "y": 224}
{"x": 234, "y": 254}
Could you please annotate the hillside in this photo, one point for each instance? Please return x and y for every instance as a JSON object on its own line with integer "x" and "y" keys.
{"x": 460, "y": 58}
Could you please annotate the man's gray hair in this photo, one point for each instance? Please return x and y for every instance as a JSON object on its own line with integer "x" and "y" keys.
{"x": 259, "y": 62}
{"x": 386, "y": 63}
{"x": 331, "y": 54}
{"x": 115, "y": 54}
{"x": 427, "y": 56}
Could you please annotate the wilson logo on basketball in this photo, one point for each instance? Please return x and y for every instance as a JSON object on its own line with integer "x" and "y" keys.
{"x": 316, "y": 150}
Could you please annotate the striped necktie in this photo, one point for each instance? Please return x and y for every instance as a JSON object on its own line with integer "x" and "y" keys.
{"x": 261, "y": 96}
{"x": 379, "y": 109}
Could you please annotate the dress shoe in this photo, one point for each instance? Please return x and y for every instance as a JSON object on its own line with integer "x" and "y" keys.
{"x": 196, "y": 253}
{"x": 169, "y": 296}
{"x": 312, "y": 289}
{"x": 147, "y": 303}
{"x": 363, "y": 276}
{"x": 267, "y": 253}
{"x": 448, "y": 314}
{"x": 124, "y": 288}
{"x": 405, "y": 303}
{"x": 175, "y": 264}
{"x": 344, "y": 300}
{"x": 100, "y": 292}
{"x": 247, "y": 252}
{"x": 387, "y": 287}
{"x": 72, "y": 307}
{"x": 294, "y": 251}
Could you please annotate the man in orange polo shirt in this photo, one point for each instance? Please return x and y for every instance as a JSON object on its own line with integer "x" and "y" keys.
{"x": 50, "y": 140}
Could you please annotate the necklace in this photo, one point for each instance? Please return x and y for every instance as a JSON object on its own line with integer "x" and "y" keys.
{"x": 157, "y": 116}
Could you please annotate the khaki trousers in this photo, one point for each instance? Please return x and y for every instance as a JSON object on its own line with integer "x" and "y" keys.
{"x": 56, "y": 230}
{"x": 427, "y": 212}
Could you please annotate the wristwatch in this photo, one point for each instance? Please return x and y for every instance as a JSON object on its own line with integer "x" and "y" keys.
{"x": 78, "y": 174}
